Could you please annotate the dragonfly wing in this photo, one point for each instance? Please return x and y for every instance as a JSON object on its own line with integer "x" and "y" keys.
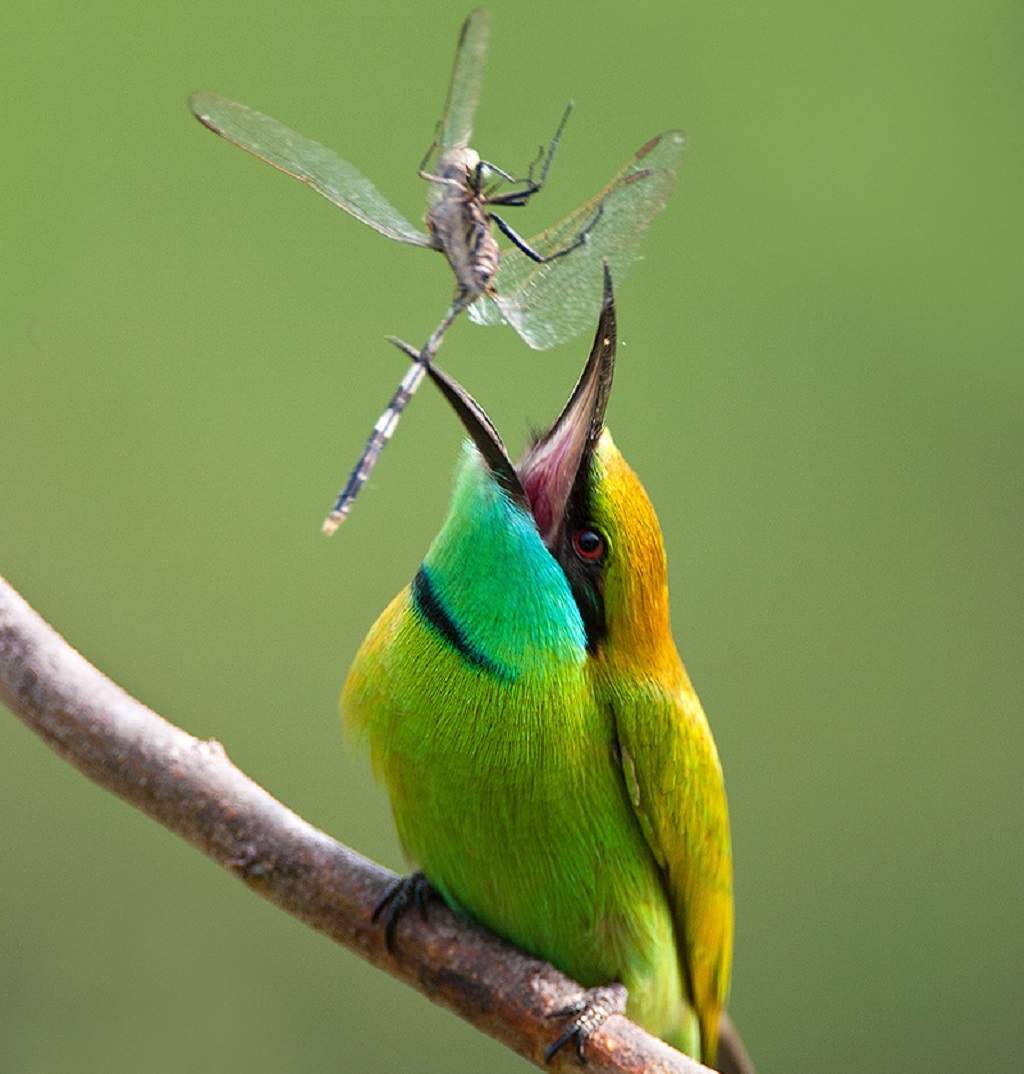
{"x": 549, "y": 303}
{"x": 456, "y": 126}
{"x": 485, "y": 310}
{"x": 308, "y": 161}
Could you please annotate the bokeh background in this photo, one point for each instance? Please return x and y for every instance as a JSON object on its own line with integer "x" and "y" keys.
{"x": 820, "y": 383}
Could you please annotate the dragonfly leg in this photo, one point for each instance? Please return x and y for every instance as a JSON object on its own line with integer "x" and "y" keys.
{"x": 386, "y": 424}
{"x": 430, "y": 149}
{"x": 511, "y": 197}
{"x": 444, "y": 181}
{"x": 533, "y": 163}
{"x": 530, "y": 185}
{"x": 556, "y": 138}
{"x": 510, "y": 233}
{"x": 516, "y": 198}
{"x": 507, "y": 176}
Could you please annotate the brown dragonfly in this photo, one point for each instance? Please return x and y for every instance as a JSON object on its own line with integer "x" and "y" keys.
{"x": 547, "y": 288}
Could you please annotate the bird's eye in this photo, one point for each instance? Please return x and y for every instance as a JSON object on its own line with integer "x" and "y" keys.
{"x": 588, "y": 545}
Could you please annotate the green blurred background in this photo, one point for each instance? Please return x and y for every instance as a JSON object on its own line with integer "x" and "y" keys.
{"x": 820, "y": 383}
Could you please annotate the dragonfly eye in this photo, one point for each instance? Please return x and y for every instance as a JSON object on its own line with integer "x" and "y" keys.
{"x": 479, "y": 176}
{"x": 589, "y": 545}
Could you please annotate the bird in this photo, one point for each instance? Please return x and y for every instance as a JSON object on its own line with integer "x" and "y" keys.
{"x": 551, "y": 771}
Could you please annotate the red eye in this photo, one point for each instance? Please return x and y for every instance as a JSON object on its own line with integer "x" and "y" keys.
{"x": 588, "y": 545}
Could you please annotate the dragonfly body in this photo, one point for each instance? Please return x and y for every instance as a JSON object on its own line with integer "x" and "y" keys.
{"x": 460, "y": 224}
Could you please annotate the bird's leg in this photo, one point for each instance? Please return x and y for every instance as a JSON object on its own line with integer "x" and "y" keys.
{"x": 401, "y": 893}
{"x": 595, "y": 1007}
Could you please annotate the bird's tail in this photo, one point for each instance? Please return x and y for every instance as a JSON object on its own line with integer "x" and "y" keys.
{"x": 732, "y": 1057}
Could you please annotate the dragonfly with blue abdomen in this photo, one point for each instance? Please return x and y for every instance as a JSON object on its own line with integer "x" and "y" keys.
{"x": 547, "y": 288}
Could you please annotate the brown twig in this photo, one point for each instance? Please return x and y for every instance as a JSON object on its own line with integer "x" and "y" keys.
{"x": 191, "y": 787}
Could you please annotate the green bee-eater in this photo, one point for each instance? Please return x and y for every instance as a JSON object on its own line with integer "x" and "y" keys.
{"x": 550, "y": 767}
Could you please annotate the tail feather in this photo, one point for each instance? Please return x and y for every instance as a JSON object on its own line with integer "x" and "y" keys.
{"x": 732, "y": 1056}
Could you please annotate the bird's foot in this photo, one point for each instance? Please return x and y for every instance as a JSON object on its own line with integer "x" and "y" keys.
{"x": 401, "y": 893}
{"x": 596, "y": 1006}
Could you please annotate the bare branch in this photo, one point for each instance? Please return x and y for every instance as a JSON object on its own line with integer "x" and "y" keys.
{"x": 191, "y": 787}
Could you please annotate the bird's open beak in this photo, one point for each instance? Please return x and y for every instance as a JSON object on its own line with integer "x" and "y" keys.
{"x": 558, "y": 462}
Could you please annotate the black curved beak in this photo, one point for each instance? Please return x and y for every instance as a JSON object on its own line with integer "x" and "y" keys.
{"x": 477, "y": 424}
{"x": 556, "y": 464}
{"x": 482, "y": 432}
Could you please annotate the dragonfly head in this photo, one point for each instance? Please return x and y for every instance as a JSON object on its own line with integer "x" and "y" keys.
{"x": 459, "y": 164}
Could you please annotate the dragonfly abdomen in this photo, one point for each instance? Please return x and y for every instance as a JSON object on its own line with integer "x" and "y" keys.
{"x": 461, "y": 227}
{"x": 483, "y": 246}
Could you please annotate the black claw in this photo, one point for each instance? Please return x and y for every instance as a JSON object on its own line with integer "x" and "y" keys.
{"x": 587, "y": 1016}
{"x": 422, "y": 893}
{"x": 401, "y": 893}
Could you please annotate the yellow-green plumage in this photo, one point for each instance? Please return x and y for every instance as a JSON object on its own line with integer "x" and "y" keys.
{"x": 549, "y": 766}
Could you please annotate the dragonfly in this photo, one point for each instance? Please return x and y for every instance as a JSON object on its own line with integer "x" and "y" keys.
{"x": 547, "y": 288}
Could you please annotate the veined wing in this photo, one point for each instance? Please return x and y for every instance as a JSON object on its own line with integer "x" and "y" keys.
{"x": 456, "y": 126}
{"x": 549, "y": 303}
{"x": 310, "y": 162}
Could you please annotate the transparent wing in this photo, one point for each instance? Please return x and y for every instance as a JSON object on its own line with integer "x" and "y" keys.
{"x": 549, "y": 303}
{"x": 310, "y": 163}
{"x": 456, "y": 126}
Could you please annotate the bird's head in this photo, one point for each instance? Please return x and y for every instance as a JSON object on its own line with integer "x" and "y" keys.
{"x": 589, "y": 509}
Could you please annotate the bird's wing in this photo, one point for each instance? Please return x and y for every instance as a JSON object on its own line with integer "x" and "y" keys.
{"x": 365, "y": 692}
{"x": 674, "y": 780}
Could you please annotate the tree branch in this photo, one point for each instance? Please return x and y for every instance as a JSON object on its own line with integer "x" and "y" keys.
{"x": 191, "y": 787}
